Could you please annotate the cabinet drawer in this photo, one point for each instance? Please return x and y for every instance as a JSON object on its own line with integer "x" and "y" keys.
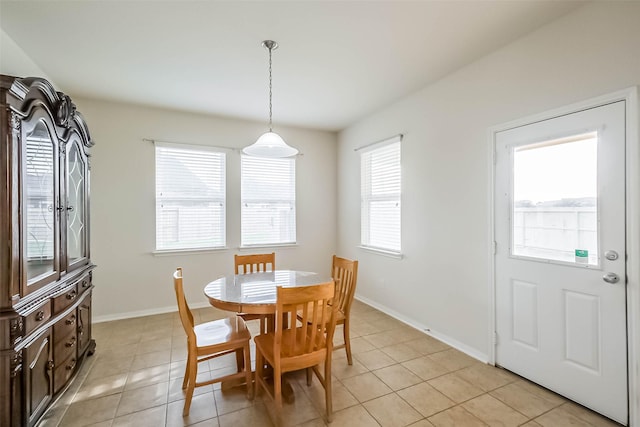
{"x": 65, "y": 346}
{"x": 65, "y": 326}
{"x": 63, "y": 371}
{"x": 64, "y": 300}
{"x": 84, "y": 283}
{"x": 37, "y": 317}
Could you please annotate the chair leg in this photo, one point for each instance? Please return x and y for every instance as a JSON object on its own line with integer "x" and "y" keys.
{"x": 327, "y": 389}
{"x": 347, "y": 340}
{"x": 308, "y": 376}
{"x": 247, "y": 370}
{"x": 239, "y": 360}
{"x": 185, "y": 380}
{"x": 191, "y": 385}
{"x": 277, "y": 393}
{"x": 259, "y": 377}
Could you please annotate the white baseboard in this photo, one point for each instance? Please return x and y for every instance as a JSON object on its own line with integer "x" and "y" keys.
{"x": 428, "y": 331}
{"x": 142, "y": 313}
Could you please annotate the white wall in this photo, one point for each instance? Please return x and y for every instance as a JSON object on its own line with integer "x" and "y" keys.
{"x": 443, "y": 281}
{"x": 14, "y": 62}
{"x": 129, "y": 279}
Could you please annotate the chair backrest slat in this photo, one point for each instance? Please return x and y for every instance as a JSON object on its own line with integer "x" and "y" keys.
{"x": 305, "y": 325}
{"x": 254, "y": 263}
{"x": 345, "y": 273}
{"x": 311, "y": 331}
{"x": 315, "y": 333}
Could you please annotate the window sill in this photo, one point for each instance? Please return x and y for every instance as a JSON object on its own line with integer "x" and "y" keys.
{"x": 173, "y": 252}
{"x": 283, "y": 245}
{"x": 390, "y": 254}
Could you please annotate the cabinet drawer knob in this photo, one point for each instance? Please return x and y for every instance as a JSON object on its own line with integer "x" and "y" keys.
{"x": 85, "y": 283}
{"x": 71, "y": 365}
{"x": 71, "y": 320}
{"x": 71, "y": 295}
{"x": 39, "y": 316}
{"x": 71, "y": 342}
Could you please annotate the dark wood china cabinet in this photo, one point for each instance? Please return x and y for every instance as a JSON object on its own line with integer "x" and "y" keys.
{"x": 45, "y": 264}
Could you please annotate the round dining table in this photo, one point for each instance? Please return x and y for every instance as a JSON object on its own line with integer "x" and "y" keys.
{"x": 255, "y": 293}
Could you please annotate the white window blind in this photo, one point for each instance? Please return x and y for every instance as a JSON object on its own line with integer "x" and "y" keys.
{"x": 380, "y": 195}
{"x": 190, "y": 197}
{"x": 268, "y": 201}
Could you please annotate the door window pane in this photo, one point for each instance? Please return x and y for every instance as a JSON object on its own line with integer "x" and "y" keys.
{"x": 554, "y": 208}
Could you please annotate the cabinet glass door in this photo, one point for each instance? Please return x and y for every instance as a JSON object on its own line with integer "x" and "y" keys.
{"x": 39, "y": 203}
{"x": 76, "y": 204}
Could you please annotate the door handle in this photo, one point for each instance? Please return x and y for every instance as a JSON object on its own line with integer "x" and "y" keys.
{"x": 611, "y": 278}
{"x": 611, "y": 255}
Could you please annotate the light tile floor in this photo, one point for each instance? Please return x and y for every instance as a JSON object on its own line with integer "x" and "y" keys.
{"x": 399, "y": 377}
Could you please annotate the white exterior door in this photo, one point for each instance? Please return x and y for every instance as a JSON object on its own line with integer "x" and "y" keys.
{"x": 560, "y": 256}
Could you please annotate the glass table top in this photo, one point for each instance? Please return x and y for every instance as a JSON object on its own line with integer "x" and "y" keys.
{"x": 246, "y": 292}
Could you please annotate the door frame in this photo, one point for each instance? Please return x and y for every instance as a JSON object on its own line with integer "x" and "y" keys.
{"x": 632, "y": 198}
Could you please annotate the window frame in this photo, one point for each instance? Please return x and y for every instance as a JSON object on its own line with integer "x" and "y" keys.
{"x": 367, "y": 196}
{"x": 291, "y": 229}
{"x": 221, "y": 162}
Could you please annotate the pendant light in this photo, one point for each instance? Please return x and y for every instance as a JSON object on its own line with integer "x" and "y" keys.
{"x": 270, "y": 144}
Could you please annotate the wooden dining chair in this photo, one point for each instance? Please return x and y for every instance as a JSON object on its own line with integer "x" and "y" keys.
{"x": 293, "y": 346}
{"x": 212, "y": 339}
{"x": 255, "y": 263}
{"x": 345, "y": 273}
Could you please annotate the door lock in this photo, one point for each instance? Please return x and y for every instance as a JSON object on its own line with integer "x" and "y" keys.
{"x": 611, "y": 255}
{"x": 611, "y": 278}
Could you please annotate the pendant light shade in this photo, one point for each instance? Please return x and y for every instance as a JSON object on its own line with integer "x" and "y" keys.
{"x": 270, "y": 144}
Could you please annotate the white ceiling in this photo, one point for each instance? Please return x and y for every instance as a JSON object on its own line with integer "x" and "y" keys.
{"x": 338, "y": 61}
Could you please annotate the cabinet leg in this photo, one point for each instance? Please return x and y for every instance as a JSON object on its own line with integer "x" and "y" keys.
{"x": 92, "y": 348}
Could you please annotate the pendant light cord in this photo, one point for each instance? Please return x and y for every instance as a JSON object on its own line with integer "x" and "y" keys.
{"x": 270, "y": 94}
{"x": 270, "y": 144}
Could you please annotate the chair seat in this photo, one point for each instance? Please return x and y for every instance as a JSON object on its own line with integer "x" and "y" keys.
{"x": 223, "y": 331}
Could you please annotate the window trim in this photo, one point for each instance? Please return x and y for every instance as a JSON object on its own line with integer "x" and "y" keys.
{"x": 294, "y": 202}
{"x": 224, "y": 225}
{"x": 398, "y": 254}
{"x": 384, "y": 252}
